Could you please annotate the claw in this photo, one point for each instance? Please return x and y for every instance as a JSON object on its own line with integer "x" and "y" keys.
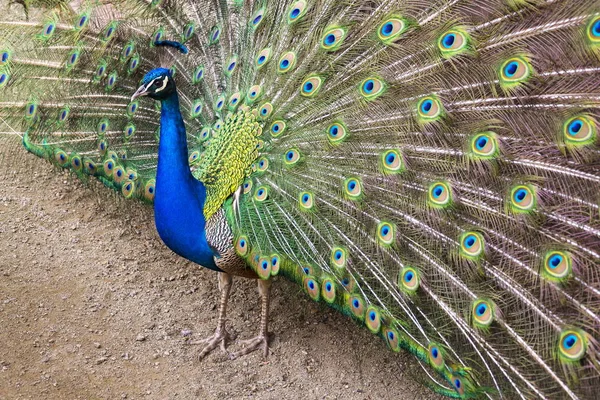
{"x": 219, "y": 338}
{"x": 256, "y": 343}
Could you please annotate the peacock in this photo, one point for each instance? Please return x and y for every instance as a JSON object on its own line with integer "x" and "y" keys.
{"x": 431, "y": 169}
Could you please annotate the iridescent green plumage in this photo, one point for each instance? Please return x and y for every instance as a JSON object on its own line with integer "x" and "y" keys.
{"x": 429, "y": 168}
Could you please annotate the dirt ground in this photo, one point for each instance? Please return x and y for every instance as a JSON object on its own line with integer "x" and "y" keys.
{"x": 94, "y": 306}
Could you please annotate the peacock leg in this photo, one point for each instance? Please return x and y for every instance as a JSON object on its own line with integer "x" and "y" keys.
{"x": 262, "y": 340}
{"x": 221, "y": 336}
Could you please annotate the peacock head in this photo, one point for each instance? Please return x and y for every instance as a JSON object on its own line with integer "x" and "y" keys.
{"x": 157, "y": 84}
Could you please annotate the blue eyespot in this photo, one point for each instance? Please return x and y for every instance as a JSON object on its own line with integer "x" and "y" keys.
{"x": 2, "y": 78}
{"x": 355, "y": 303}
{"x": 596, "y": 29}
{"x": 333, "y": 131}
{"x": 470, "y": 241}
{"x": 448, "y": 40}
{"x": 49, "y": 29}
{"x": 215, "y": 35}
{"x": 295, "y": 12}
{"x": 555, "y": 261}
{"x": 385, "y": 230}
{"x": 409, "y": 276}
{"x": 426, "y": 106}
{"x": 276, "y": 128}
{"x": 305, "y": 198}
{"x": 481, "y": 309}
{"x": 435, "y": 352}
{"x": 109, "y": 32}
{"x": 82, "y": 21}
{"x": 31, "y": 109}
{"x": 352, "y": 185}
{"x": 150, "y": 190}
{"x": 330, "y": 39}
{"x": 457, "y": 383}
{"x": 311, "y": 284}
{"x": 256, "y": 20}
{"x": 274, "y": 261}
{"x": 306, "y": 270}
{"x": 284, "y": 64}
{"x": 368, "y": 86}
{"x": 481, "y": 143}
{"x": 569, "y": 341}
{"x": 4, "y": 57}
{"x": 328, "y": 286}
{"x": 261, "y": 59}
{"x": 345, "y": 281}
{"x": 308, "y": 87}
{"x": 438, "y": 191}
{"x": 390, "y": 158}
{"x": 511, "y": 68}
{"x": 575, "y": 127}
{"x": 387, "y": 29}
{"x": 264, "y": 265}
{"x": 231, "y": 67}
{"x": 261, "y": 192}
{"x": 242, "y": 243}
{"x": 391, "y": 335}
{"x": 372, "y": 316}
{"x": 520, "y": 195}
{"x": 76, "y": 162}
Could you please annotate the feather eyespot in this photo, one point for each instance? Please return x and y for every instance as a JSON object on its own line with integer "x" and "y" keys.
{"x": 328, "y": 290}
{"x": 263, "y": 164}
{"x": 215, "y": 34}
{"x": 253, "y": 94}
{"x": 353, "y": 188}
{"x": 48, "y": 29}
{"x": 453, "y": 42}
{"x": 109, "y": 166}
{"x": 257, "y": 18}
{"x": 230, "y": 66}
{"x": 4, "y": 57}
{"x": 580, "y": 130}
{"x": 371, "y": 88}
{"x": 81, "y": 21}
{"x": 204, "y": 134}
{"x": 263, "y": 269}
{"x": 311, "y": 85}
{"x": 593, "y": 30}
{"x": 573, "y": 345}
{"x": 150, "y": 190}
{"x": 409, "y": 280}
{"x": 109, "y": 31}
{"x": 338, "y": 257}
{"x": 234, "y": 101}
{"x": 275, "y": 264}
{"x": 484, "y": 145}
{"x": 337, "y": 132}
{"x": 219, "y": 103}
{"x": 286, "y": 62}
{"x": 61, "y": 157}
{"x": 457, "y": 382}
{"x": 198, "y": 74}
{"x": 196, "y": 108}
{"x": 277, "y": 128}
{"x": 373, "y": 319}
{"x": 261, "y": 194}
{"x": 247, "y": 186}
{"x": 429, "y": 109}
{"x": 435, "y": 357}
{"x": 558, "y": 266}
{"x": 296, "y": 11}
{"x": 483, "y": 313}
{"x": 263, "y": 57}
{"x": 4, "y": 78}
{"x": 76, "y": 162}
{"x": 102, "y": 147}
{"x": 112, "y": 80}
{"x": 471, "y": 245}
{"x": 266, "y": 110}
{"x": 391, "y": 161}
{"x": 332, "y": 38}
{"x": 391, "y": 29}
{"x": 439, "y": 194}
{"x": 515, "y": 71}
{"x": 242, "y": 246}
{"x": 356, "y": 306}
{"x": 306, "y": 201}
{"x": 386, "y": 234}
{"x": 392, "y": 339}
{"x": 188, "y": 31}
{"x": 63, "y": 114}
{"x": 522, "y": 198}
{"x": 311, "y": 286}
{"x": 291, "y": 157}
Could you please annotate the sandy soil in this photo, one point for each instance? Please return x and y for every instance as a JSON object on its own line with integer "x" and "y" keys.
{"x": 94, "y": 306}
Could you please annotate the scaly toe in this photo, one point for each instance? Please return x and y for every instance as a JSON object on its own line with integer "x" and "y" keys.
{"x": 219, "y": 339}
{"x": 250, "y": 345}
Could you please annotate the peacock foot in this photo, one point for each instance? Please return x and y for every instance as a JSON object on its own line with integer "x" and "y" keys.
{"x": 257, "y": 343}
{"x": 220, "y": 338}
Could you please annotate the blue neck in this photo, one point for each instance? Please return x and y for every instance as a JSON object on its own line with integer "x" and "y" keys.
{"x": 179, "y": 199}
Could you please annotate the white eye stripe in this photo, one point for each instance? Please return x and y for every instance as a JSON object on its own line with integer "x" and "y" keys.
{"x": 164, "y": 85}
{"x": 149, "y": 84}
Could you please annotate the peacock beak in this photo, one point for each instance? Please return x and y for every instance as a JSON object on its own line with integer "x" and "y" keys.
{"x": 142, "y": 91}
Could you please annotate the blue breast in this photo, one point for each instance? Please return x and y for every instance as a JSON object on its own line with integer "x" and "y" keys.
{"x": 179, "y": 200}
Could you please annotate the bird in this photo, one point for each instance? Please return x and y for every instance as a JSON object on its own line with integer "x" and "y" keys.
{"x": 431, "y": 169}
